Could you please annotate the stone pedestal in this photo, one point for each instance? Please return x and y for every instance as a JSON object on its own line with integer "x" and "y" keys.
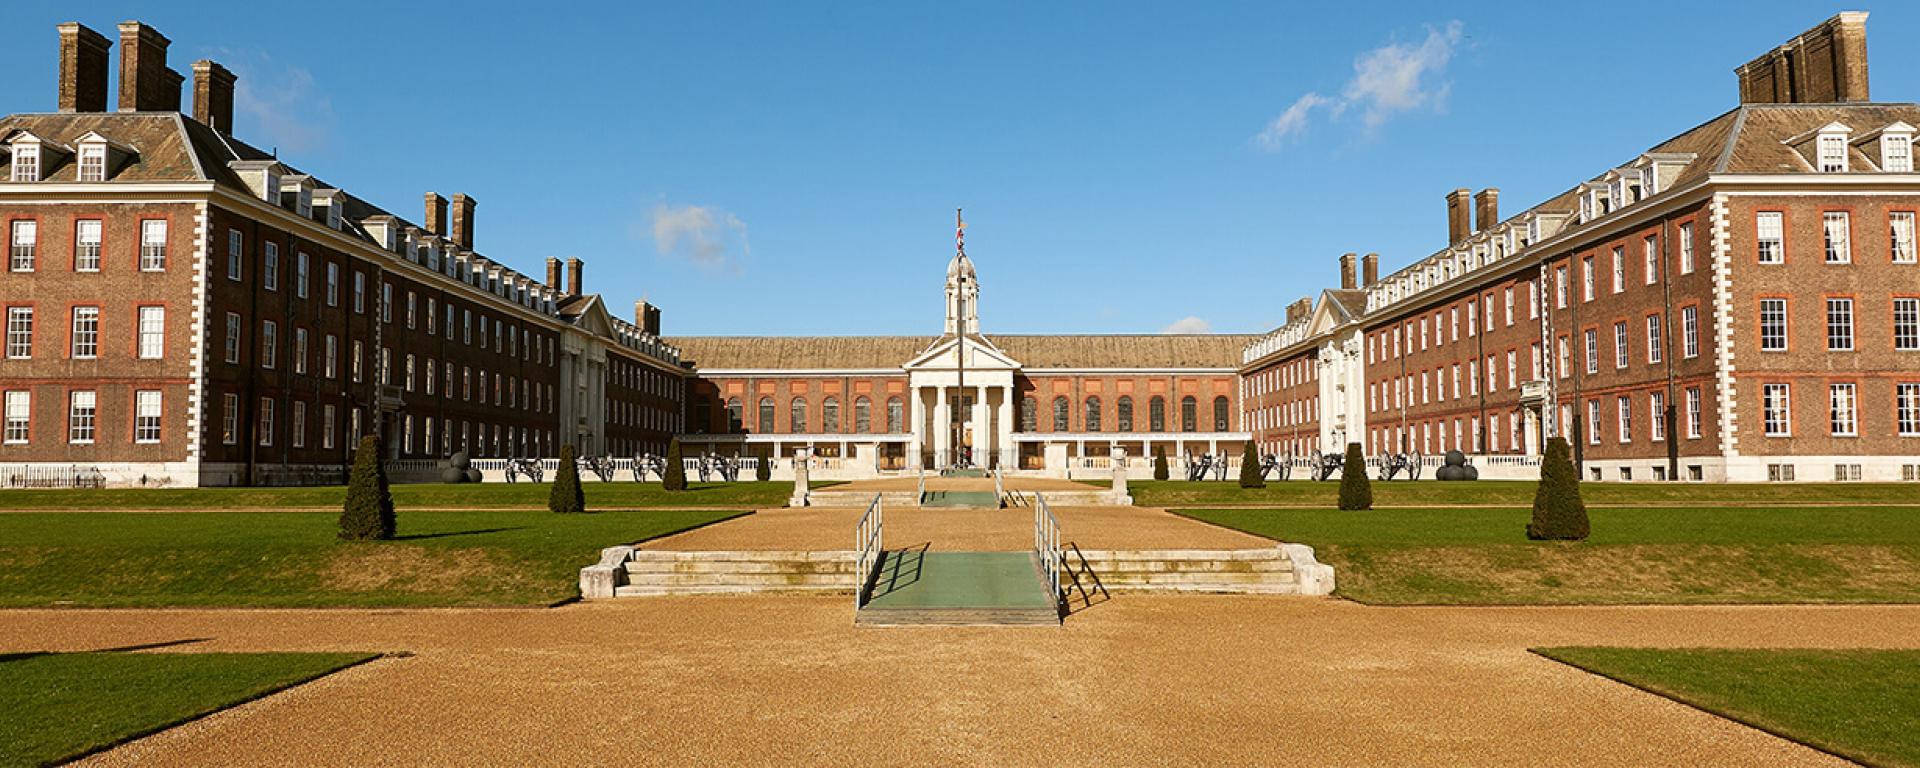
{"x": 1119, "y": 496}
{"x": 800, "y": 491}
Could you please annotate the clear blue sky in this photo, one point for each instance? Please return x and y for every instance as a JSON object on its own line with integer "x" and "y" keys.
{"x": 792, "y": 168}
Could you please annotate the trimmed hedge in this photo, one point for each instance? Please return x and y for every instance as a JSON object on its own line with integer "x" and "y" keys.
{"x": 763, "y": 469}
{"x": 1356, "y": 491}
{"x": 1160, "y": 471}
{"x": 367, "y": 514}
{"x": 1250, "y": 468}
{"x": 566, "y": 496}
{"x": 1559, "y": 514}
{"x": 675, "y": 478}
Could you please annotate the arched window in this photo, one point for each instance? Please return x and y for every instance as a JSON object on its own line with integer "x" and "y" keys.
{"x": 895, "y": 421}
{"x": 1093, "y": 414}
{"x": 862, "y": 414}
{"x": 702, "y": 415}
{"x": 830, "y": 414}
{"x": 1060, "y": 413}
{"x": 1157, "y": 414}
{"x": 734, "y": 416}
{"x": 1123, "y": 417}
{"x": 1220, "y": 414}
{"x": 1189, "y": 416}
{"x": 766, "y": 415}
{"x": 797, "y": 415}
{"x": 1029, "y": 415}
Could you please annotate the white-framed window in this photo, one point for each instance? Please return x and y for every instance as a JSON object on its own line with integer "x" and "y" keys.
{"x": 93, "y": 162}
{"x": 407, "y": 371}
{"x": 266, "y": 421}
{"x": 300, "y": 274}
{"x": 1653, "y": 339}
{"x": 330, "y": 357}
{"x": 432, "y": 316}
{"x": 1586, "y": 279}
{"x": 1560, "y": 287}
{"x": 1533, "y": 299}
{"x": 1686, "y": 248}
{"x": 299, "y": 350}
{"x": 1836, "y": 228}
{"x": 297, "y": 429}
{"x": 1623, "y": 406}
{"x": 1906, "y": 397}
{"x": 229, "y": 419}
{"x": 25, "y": 242}
{"x": 19, "y": 333}
{"x": 1769, "y": 234}
{"x": 269, "y": 343}
{"x": 412, "y": 315}
{"x": 1508, "y": 305}
{"x": 1900, "y": 237}
{"x": 1906, "y": 324}
{"x": 1657, "y": 409}
{"x": 1839, "y": 325}
{"x": 333, "y": 284}
{"x": 356, "y": 366}
{"x": 1593, "y": 422}
{"x": 429, "y": 378}
{"x": 1773, "y": 325}
{"x": 1693, "y": 413}
{"x": 1650, "y": 250}
{"x": 1513, "y": 369}
{"x": 19, "y": 426}
{"x": 1896, "y": 152}
{"x": 86, "y": 245}
{"x": 153, "y": 333}
{"x": 26, "y": 162}
{"x": 236, "y": 254}
{"x": 1776, "y": 404}
{"x": 1832, "y": 150}
{"x": 1620, "y": 351}
{"x": 386, "y": 302}
{"x": 1841, "y": 409}
{"x": 81, "y": 413}
{"x": 1690, "y": 332}
{"x": 153, "y": 245}
{"x": 146, "y": 416}
{"x": 1619, "y": 269}
{"x": 359, "y": 292}
{"x": 270, "y": 265}
{"x": 1593, "y": 351}
{"x": 326, "y": 426}
{"x": 233, "y": 338}
{"x": 86, "y": 333}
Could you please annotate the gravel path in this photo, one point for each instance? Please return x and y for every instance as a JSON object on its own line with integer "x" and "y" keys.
{"x": 961, "y": 529}
{"x": 1174, "y": 680}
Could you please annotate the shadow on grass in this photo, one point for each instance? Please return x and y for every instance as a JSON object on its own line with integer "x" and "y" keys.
{"x": 449, "y": 534}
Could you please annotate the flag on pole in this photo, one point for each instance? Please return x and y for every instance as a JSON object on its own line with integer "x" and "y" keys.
{"x": 959, "y": 232}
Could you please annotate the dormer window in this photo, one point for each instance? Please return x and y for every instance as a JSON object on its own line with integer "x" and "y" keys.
{"x": 26, "y": 162}
{"x": 1831, "y": 149}
{"x": 93, "y": 162}
{"x": 1896, "y": 150}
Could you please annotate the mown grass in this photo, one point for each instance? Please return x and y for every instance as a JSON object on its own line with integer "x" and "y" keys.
{"x": 1651, "y": 554}
{"x": 61, "y": 706}
{"x": 150, "y": 559}
{"x": 615, "y": 495}
{"x": 1860, "y": 704}
{"x": 1428, "y": 493}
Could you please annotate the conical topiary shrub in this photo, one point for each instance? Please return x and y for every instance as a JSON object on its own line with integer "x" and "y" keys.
{"x": 1356, "y": 491}
{"x": 1250, "y": 468}
{"x": 566, "y": 496}
{"x": 1160, "y": 471}
{"x": 367, "y": 514}
{"x": 675, "y": 478}
{"x": 763, "y": 467}
{"x": 1559, "y": 514}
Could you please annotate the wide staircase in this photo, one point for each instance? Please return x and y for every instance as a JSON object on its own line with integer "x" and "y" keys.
{"x": 656, "y": 572}
{"x": 1242, "y": 571}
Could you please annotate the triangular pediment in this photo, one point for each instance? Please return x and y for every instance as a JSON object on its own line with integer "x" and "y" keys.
{"x": 944, "y": 355}
{"x": 592, "y": 317}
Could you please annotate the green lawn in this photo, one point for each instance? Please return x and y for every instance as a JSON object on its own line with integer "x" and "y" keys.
{"x": 146, "y": 559}
{"x": 60, "y": 706}
{"x": 1860, "y": 704}
{"x": 1649, "y": 554}
{"x": 613, "y": 495}
{"x": 1428, "y": 493}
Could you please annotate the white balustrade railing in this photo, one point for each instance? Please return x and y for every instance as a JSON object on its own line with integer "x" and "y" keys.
{"x": 869, "y": 544}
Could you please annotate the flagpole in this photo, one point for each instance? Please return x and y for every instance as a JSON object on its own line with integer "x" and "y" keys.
{"x": 960, "y": 331}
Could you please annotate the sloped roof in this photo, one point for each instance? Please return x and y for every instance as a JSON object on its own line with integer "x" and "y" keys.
{"x": 156, "y": 137}
{"x": 1758, "y": 145}
{"x": 1033, "y": 351}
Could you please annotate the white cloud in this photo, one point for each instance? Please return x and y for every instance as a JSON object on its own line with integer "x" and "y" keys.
{"x": 1189, "y": 324}
{"x": 710, "y": 237}
{"x": 288, "y": 108}
{"x": 1393, "y": 78}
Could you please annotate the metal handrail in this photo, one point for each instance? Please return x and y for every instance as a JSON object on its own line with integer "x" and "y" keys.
{"x": 869, "y": 542}
{"x": 998, "y": 492}
{"x": 921, "y": 494}
{"x": 1046, "y": 546}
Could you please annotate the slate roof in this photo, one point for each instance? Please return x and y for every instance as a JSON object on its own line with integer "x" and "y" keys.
{"x": 1220, "y": 350}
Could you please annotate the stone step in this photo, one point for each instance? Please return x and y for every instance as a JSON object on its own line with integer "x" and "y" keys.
{"x": 840, "y": 567}
{"x": 1264, "y": 553}
{"x": 1111, "y": 578}
{"x": 744, "y": 555}
{"x": 1187, "y": 566}
{"x": 775, "y": 580}
{"x": 658, "y": 590}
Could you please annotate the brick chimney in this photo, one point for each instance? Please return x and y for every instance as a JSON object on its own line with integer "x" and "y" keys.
{"x": 143, "y": 70}
{"x": 83, "y": 69}
{"x": 1459, "y": 216}
{"x": 553, "y": 274}
{"x": 170, "y": 94}
{"x": 1822, "y": 65}
{"x": 647, "y": 316}
{"x": 1369, "y": 270}
{"x": 1349, "y": 279}
{"x": 213, "y": 95}
{"x": 1486, "y": 209}
{"x": 574, "y": 278}
{"x": 463, "y": 220}
{"x": 436, "y": 214}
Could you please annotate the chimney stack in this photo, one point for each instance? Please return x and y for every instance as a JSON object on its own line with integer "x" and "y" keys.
{"x": 1823, "y": 65}
{"x": 574, "y": 268}
{"x": 170, "y": 93}
{"x": 463, "y": 220}
{"x": 83, "y": 69}
{"x": 1369, "y": 270}
{"x": 1486, "y": 209}
{"x": 553, "y": 273}
{"x": 1348, "y": 278}
{"x": 436, "y": 214}
{"x": 213, "y": 95}
{"x": 143, "y": 70}
{"x": 1459, "y": 216}
{"x": 647, "y": 316}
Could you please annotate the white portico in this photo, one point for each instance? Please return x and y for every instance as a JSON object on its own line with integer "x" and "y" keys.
{"x": 960, "y": 389}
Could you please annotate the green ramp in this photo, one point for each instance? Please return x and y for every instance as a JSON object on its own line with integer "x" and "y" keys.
{"x": 960, "y": 499}
{"x": 958, "y": 588}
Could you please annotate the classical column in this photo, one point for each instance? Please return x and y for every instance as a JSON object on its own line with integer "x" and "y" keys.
{"x": 942, "y": 427}
{"x": 1003, "y": 432}
{"x": 982, "y": 431}
{"x": 916, "y": 425}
